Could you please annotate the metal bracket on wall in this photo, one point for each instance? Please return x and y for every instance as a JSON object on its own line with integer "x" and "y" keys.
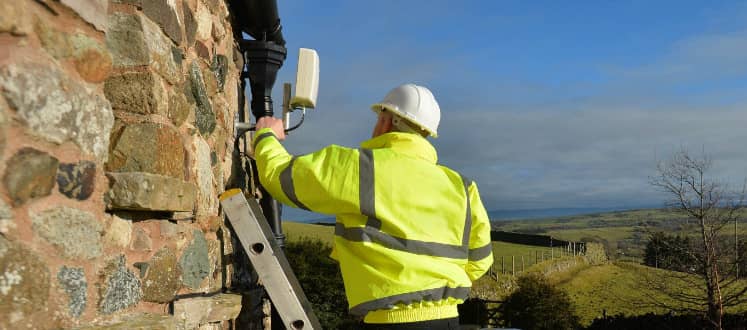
{"x": 268, "y": 260}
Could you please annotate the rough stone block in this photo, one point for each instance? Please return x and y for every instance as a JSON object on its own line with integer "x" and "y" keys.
{"x": 202, "y": 50}
{"x": 77, "y": 233}
{"x": 137, "y": 41}
{"x": 179, "y": 108}
{"x": 218, "y": 32}
{"x": 6, "y": 218}
{"x": 92, "y": 11}
{"x": 93, "y": 65}
{"x": 211, "y": 84}
{"x": 210, "y": 223}
{"x": 126, "y": 41}
{"x": 24, "y": 284}
{"x": 149, "y": 192}
{"x": 161, "y": 281}
{"x": 204, "y": 22}
{"x": 137, "y": 92}
{"x": 160, "y": 53}
{"x": 213, "y": 6}
{"x": 170, "y": 229}
{"x": 14, "y": 18}
{"x": 220, "y": 70}
{"x": 138, "y": 322}
{"x": 120, "y": 288}
{"x": 58, "y": 108}
{"x": 221, "y": 139}
{"x": 92, "y": 60}
{"x": 73, "y": 281}
{"x": 194, "y": 261}
{"x": 30, "y": 173}
{"x": 207, "y": 203}
{"x": 204, "y": 115}
{"x": 215, "y": 256}
{"x": 178, "y": 232}
{"x": 148, "y": 147}
{"x": 194, "y": 312}
{"x": 190, "y": 24}
{"x": 76, "y": 180}
{"x": 164, "y": 14}
{"x": 118, "y": 233}
{"x": 178, "y": 55}
{"x": 55, "y": 42}
{"x": 141, "y": 240}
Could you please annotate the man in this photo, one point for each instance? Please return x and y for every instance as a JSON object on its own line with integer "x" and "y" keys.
{"x": 411, "y": 235}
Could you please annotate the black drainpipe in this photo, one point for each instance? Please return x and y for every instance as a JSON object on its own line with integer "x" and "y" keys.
{"x": 263, "y": 57}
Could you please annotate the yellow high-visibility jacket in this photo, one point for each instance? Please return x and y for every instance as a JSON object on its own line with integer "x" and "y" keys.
{"x": 410, "y": 236}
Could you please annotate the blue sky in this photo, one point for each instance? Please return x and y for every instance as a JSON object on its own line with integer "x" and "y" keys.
{"x": 545, "y": 104}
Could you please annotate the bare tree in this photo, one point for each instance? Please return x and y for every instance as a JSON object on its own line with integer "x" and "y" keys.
{"x": 696, "y": 195}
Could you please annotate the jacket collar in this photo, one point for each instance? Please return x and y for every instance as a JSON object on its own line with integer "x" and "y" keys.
{"x": 405, "y": 143}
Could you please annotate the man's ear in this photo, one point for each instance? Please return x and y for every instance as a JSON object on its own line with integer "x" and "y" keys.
{"x": 386, "y": 124}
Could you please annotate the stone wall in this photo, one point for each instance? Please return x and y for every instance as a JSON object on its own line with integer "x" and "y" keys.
{"x": 115, "y": 139}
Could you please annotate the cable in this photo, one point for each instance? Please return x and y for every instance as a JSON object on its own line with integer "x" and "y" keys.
{"x": 303, "y": 115}
{"x": 243, "y": 128}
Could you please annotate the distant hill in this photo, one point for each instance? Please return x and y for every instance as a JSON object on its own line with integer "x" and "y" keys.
{"x": 500, "y": 215}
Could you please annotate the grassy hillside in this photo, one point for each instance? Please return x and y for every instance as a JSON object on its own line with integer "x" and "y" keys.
{"x": 611, "y": 288}
{"x": 615, "y": 288}
{"x": 629, "y": 288}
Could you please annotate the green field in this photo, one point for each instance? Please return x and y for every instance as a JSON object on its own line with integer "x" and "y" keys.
{"x": 624, "y": 233}
{"x": 510, "y": 257}
{"x": 295, "y": 231}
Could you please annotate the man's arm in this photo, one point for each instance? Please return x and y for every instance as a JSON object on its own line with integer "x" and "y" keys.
{"x": 480, "y": 246}
{"x": 321, "y": 181}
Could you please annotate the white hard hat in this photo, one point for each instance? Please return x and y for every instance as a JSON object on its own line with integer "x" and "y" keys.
{"x": 415, "y": 104}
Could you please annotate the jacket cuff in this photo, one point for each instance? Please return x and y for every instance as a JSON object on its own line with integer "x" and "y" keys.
{"x": 261, "y": 135}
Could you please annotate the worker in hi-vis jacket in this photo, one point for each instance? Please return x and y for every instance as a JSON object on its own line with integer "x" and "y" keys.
{"x": 411, "y": 235}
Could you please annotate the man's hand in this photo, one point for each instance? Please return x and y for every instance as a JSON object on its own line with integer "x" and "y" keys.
{"x": 274, "y": 123}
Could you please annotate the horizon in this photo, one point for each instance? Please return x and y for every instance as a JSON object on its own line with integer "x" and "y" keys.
{"x": 505, "y": 214}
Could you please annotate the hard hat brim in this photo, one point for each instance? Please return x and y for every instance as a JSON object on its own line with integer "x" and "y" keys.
{"x": 378, "y": 107}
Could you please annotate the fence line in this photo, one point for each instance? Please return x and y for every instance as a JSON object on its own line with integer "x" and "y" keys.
{"x": 500, "y": 264}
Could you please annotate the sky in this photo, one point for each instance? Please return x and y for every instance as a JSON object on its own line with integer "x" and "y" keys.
{"x": 545, "y": 104}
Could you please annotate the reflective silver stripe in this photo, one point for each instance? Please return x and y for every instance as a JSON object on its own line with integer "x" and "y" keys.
{"x": 468, "y": 220}
{"x": 286, "y": 184}
{"x": 481, "y": 252}
{"x": 262, "y": 137}
{"x": 368, "y": 234}
{"x": 366, "y": 188}
{"x": 408, "y": 298}
{"x": 372, "y": 230}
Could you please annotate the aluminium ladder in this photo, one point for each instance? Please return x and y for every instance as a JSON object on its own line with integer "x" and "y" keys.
{"x": 269, "y": 261}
